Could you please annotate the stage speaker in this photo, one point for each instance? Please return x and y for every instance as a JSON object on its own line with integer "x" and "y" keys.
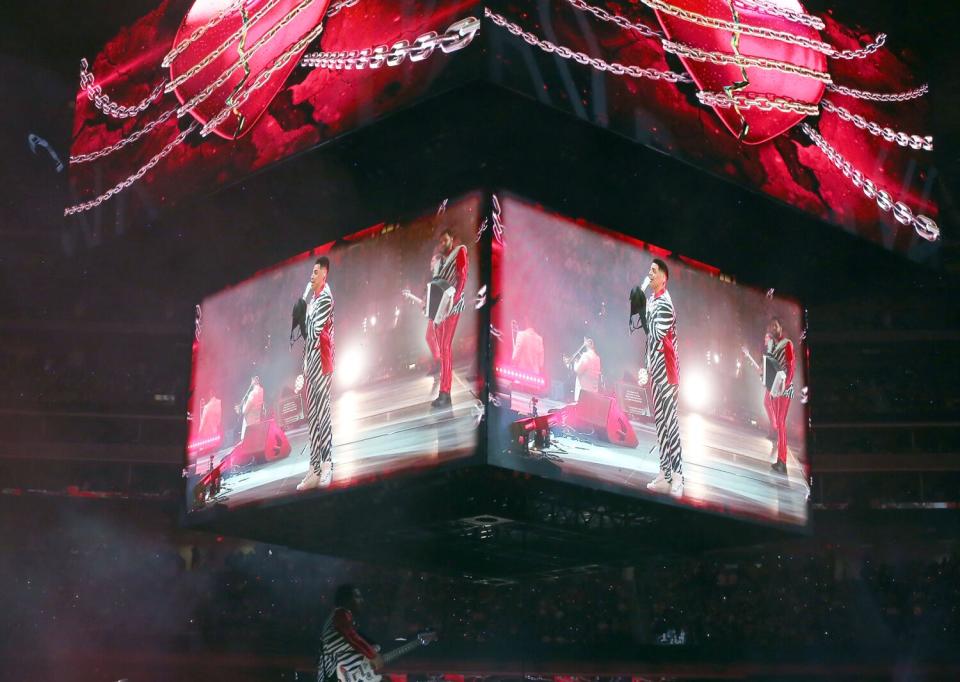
{"x": 263, "y": 442}
{"x": 602, "y": 414}
{"x": 635, "y": 401}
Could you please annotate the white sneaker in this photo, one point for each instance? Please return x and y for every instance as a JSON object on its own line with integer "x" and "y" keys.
{"x": 676, "y": 486}
{"x": 659, "y": 484}
{"x": 310, "y": 481}
{"x": 774, "y": 455}
{"x": 326, "y": 474}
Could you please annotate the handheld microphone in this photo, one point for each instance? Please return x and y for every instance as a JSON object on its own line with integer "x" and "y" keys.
{"x": 638, "y": 306}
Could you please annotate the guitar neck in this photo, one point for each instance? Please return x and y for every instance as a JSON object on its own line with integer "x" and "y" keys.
{"x": 400, "y": 651}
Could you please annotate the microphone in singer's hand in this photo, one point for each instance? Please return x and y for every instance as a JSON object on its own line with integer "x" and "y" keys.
{"x": 638, "y": 305}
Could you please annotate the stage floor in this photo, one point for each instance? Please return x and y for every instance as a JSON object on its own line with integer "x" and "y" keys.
{"x": 726, "y": 466}
{"x": 378, "y": 430}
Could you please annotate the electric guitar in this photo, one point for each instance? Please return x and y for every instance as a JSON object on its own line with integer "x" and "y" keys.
{"x": 438, "y": 301}
{"x": 364, "y": 672}
{"x": 413, "y": 298}
{"x": 772, "y": 377}
{"x": 750, "y": 358}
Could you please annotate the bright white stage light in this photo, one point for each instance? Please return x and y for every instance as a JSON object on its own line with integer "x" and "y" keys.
{"x": 373, "y": 320}
{"x": 696, "y": 390}
{"x": 350, "y": 365}
{"x": 716, "y": 358}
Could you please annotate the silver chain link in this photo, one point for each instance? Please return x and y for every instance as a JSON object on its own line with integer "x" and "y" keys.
{"x": 738, "y": 27}
{"x": 777, "y": 11}
{"x": 620, "y": 21}
{"x": 924, "y": 226}
{"x": 333, "y": 10}
{"x": 102, "y": 102}
{"x": 456, "y": 37}
{"x": 240, "y": 98}
{"x": 338, "y": 7}
{"x": 114, "y": 110}
{"x": 865, "y": 51}
{"x": 880, "y": 96}
{"x": 107, "y": 106}
{"x": 198, "y": 33}
{"x": 496, "y": 219}
{"x": 119, "y": 187}
{"x": 204, "y": 94}
{"x": 722, "y": 58}
{"x": 757, "y": 101}
{"x": 233, "y": 37}
{"x": 890, "y": 135}
{"x": 566, "y": 53}
{"x": 136, "y": 135}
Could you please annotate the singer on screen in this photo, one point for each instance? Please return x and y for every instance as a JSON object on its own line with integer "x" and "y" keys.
{"x": 318, "y": 375}
{"x": 664, "y": 371}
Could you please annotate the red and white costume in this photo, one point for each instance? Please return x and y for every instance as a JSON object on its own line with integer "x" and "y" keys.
{"x": 252, "y": 408}
{"x": 342, "y": 645}
{"x": 454, "y": 270}
{"x": 778, "y": 405}
{"x": 588, "y": 371}
{"x": 664, "y": 368}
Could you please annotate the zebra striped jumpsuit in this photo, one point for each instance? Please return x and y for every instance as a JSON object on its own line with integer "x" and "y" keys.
{"x": 663, "y": 366}
{"x": 318, "y": 374}
{"x": 341, "y": 645}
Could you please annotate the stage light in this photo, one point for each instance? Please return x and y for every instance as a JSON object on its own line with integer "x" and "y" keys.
{"x": 716, "y": 358}
{"x": 350, "y": 365}
{"x": 696, "y": 390}
{"x": 373, "y": 320}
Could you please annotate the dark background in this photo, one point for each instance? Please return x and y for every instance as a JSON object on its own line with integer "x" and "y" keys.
{"x": 95, "y": 333}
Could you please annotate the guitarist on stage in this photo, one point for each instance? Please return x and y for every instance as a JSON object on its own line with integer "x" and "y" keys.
{"x": 453, "y": 268}
{"x": 341, "y": 644}
{"x": 776, "y": 400}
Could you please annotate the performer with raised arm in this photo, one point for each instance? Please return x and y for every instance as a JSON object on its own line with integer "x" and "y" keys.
{"x": 453, "y": 269}
{"x": 250, "y": 408}
{"x": 664, "y": 372}
{"x": 317, "y": 375}
{"x": 776, "y": 398}
{"x": 585, "y": 364}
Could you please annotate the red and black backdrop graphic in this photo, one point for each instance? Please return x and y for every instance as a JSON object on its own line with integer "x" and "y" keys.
{"x": 668, "y": 117}
{"x": 309, "y": 106}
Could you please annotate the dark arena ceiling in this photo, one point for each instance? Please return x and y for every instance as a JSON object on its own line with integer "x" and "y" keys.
{"x": 117, "y": 298}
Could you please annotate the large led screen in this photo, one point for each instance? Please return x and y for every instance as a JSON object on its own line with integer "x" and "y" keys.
{"x": 697, "y": 380}
{"x": 343, "y": 365}
{"x": 194, "y": 95}
{"x": 793, "y": 100}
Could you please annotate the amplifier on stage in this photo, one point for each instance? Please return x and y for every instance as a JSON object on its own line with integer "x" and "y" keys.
{"x": 290, "y": 409}
{"x": 635, "y": 401}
